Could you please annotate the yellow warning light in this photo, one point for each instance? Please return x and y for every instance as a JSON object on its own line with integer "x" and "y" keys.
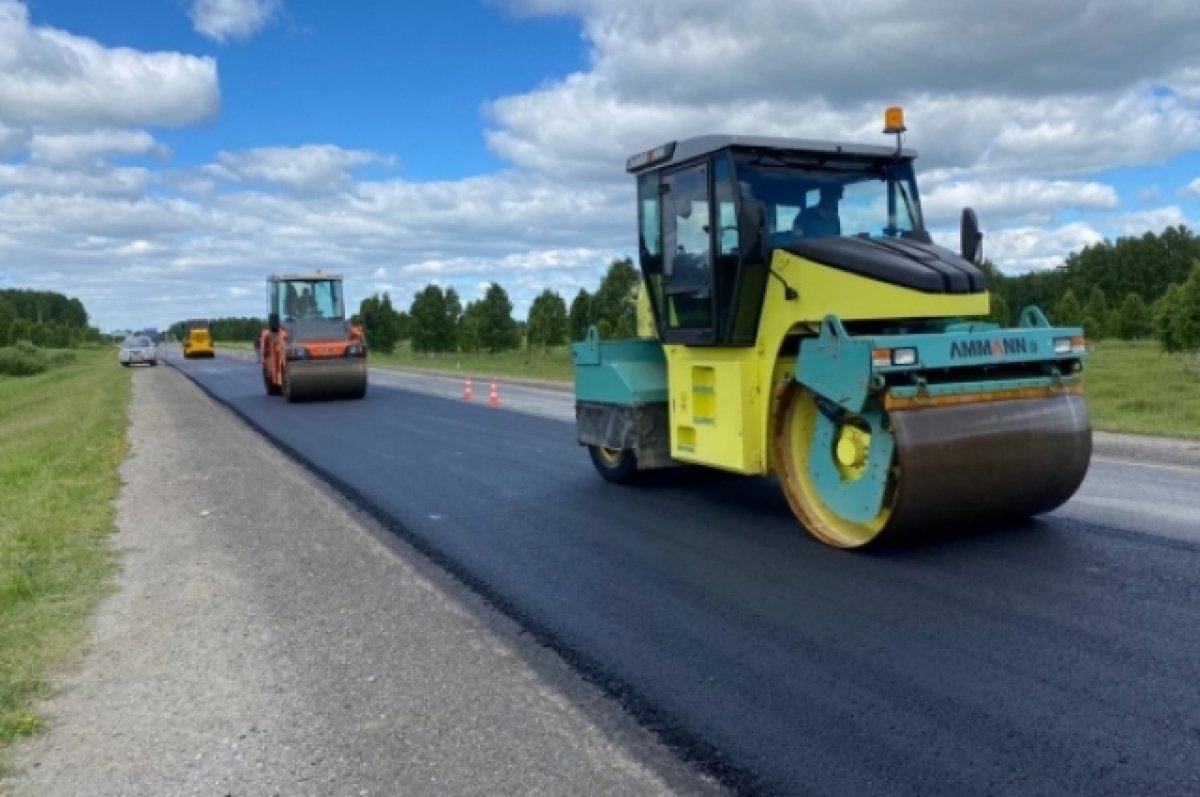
{"x": 893, "y": 120}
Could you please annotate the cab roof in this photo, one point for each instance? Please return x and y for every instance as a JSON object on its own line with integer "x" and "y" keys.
{"x": 311, "y": 275}
{"x": 689, "y": 148}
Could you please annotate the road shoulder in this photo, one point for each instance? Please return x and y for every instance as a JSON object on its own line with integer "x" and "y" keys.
{"x": 265, "y": 638}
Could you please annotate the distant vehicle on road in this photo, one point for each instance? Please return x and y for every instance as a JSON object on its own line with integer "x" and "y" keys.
{"x": 197, "y": 339}
{"x": 138, "y": 349}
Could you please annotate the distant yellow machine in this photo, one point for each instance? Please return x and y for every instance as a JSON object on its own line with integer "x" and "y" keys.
{"x": 197, "y": 339}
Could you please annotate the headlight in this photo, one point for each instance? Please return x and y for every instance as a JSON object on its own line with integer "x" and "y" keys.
{"x": 354, "y": 350}
{"x": 1075, "y": 345}
{"x": 882, "y": 358}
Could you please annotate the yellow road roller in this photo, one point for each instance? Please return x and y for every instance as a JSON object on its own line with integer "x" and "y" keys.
{"x": 797, "y": 320}
{"x": 197, "y": 339}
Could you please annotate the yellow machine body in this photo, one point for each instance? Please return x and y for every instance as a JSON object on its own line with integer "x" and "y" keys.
{"x": 722, "y": 399}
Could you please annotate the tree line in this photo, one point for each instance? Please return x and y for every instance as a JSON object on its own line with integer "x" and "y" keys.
{"x": 437, "y": 321}
{"x": 44, "y": 318}
{"x": 226, "y": 330}
{"x": 1131, "y": 288}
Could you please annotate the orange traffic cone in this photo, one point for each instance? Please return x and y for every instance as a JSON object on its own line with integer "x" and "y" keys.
{"x": 468, "y": 391}
{"x": 493, "y": 396}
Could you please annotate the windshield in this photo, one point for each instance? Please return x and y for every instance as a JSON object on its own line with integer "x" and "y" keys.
{"x": 842, "y": 197}
{"x": 137, "y": 342}
{"x": 310, "y": 299}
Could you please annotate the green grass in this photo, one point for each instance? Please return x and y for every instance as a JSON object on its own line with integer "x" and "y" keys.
{"x": 25, "y": 359}
{"x": 1136, "y": 387}
{"x": 553, "y": 364}
{"x": 62, "y": 437}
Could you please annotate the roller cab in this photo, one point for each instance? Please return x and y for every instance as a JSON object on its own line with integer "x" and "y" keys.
{"x": 797, "y": 320}
{"x": 310, "y": 351}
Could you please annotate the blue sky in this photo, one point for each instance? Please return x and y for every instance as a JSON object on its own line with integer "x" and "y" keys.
{"x": 398, "y": 77}
{"x": 158, "y": 159}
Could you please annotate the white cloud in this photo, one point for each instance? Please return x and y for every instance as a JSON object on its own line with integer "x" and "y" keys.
{"x": 704, "y": 51}
{"x": 1019, "y": 249}
{"x": 307, "y": 168}
{"x": 1191, "y": 190}
{"x": 53, "y": 77}
{"x": 107, "y": 181}
{"x": 1008, "y": 200}
{"x": 95, "y": 146}
{"x": 232, "y": 19}
{"x": 1080, "y": 86}
{"x": 1144, "y": 221}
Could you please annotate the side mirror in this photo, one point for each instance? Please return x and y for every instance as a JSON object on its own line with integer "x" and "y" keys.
{"x": 752, "y": 221}
{"x": 273, "y": 322}
{"x": 970, "y": 238}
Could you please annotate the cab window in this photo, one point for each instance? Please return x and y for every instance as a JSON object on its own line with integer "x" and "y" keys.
{"x": 687, "y": 250}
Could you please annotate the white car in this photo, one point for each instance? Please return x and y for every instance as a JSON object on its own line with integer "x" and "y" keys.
{"x": 138, "y": 349}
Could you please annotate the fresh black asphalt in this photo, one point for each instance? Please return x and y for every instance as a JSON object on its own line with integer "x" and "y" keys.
{"x": 1056, "y": 658}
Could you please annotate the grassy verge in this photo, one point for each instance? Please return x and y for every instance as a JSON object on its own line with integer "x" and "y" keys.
{"x": 554, "y": 364}
{"x": 61, "y": 440}
{"x": 1136, "y": 387}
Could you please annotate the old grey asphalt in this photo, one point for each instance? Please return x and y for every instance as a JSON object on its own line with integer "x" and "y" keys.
{"x": 266, "y": 639}
{"x": 1059, "y": 657}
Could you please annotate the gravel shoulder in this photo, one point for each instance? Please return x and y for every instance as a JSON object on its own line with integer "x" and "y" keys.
{"x": 267, "y": 639}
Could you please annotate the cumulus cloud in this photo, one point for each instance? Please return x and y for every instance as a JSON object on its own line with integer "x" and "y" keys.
{"x": 308, "y": 168}
{"x": 1028, "y": 248}
{"x": 699, "y": 51}
{"x": 232, "y": 19}
{"x": 93, "y": 147}
{"x": 104, "y": 180}
{"x": 1084, "y": 85}
{"x": 1191, "y": 190}
{"x": 53, "y": 77}
{"x": 1008, "y": 200}
{"x": 1141, "y": 222}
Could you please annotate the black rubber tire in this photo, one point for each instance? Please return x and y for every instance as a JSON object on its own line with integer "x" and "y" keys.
{"x": 286, "y": 389}
{"x": 623, "y": 471}
{"x": 271, "y": 388}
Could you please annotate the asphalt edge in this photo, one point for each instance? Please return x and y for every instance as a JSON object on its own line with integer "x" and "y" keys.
{"x": 706, "y": 758}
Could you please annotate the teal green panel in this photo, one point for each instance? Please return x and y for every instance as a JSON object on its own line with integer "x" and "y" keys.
{"x": 836, "y": 366}
{"x": 626, "y": 372}
{"x": 860, "y": 500}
